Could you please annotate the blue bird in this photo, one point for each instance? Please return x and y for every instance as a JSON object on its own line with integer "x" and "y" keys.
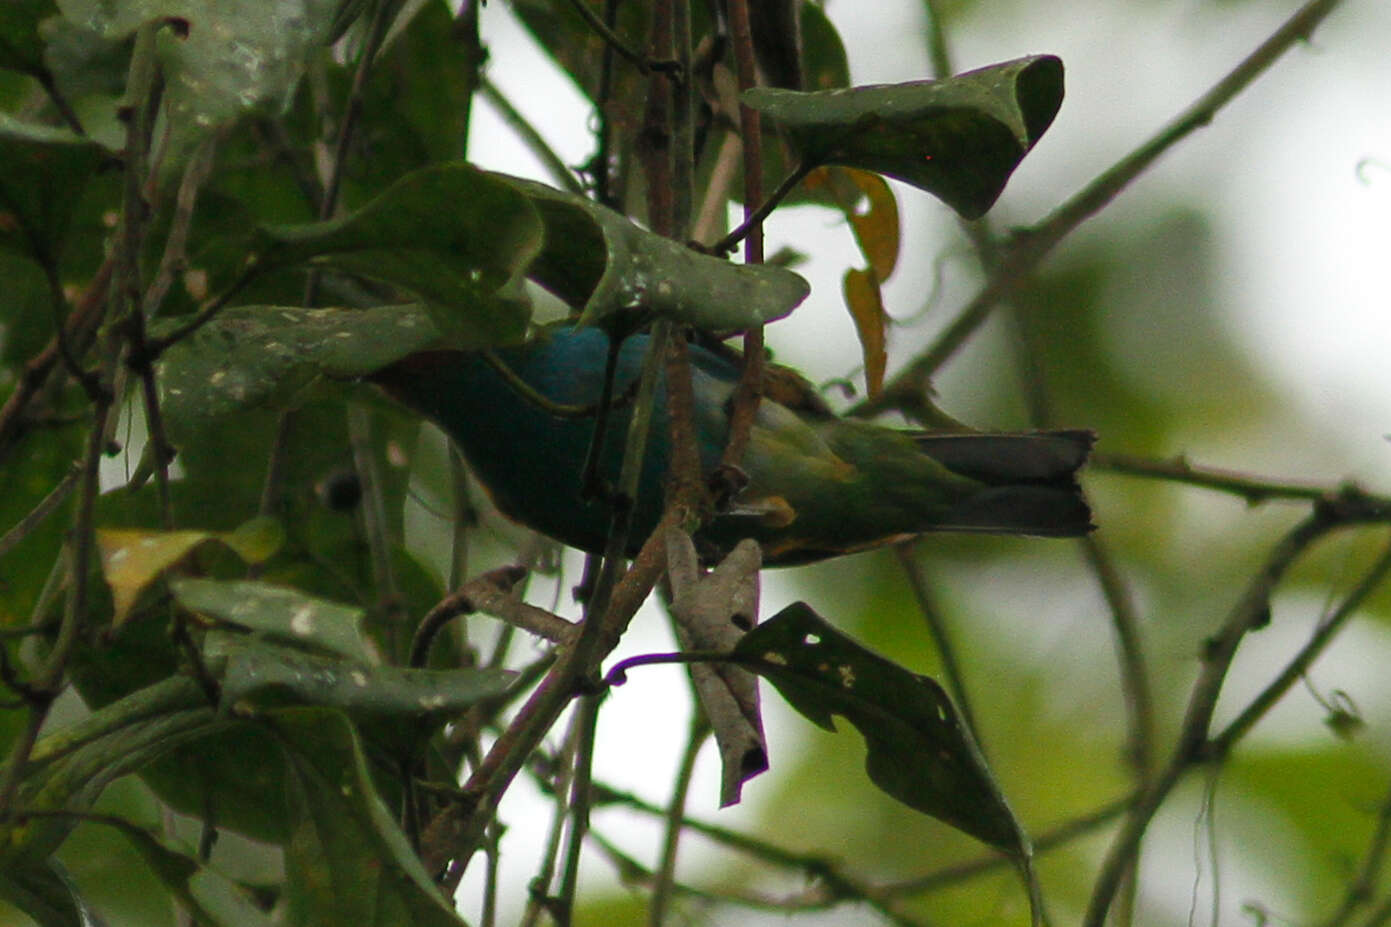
{"x": 818, "y": 485}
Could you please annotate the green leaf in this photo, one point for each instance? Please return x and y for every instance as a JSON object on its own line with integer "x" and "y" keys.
{"x": 958, "y": 139}
{"x": 21, "y": 48}
{"x": 266, "y": 356}
{"x": 606, "y": 263}
{"x": 46, "y": 170}
{"x": 346, "y": 861}
{"x": 824, "y": 65}
{"x": 263, "y": 674}
{"x": 187, "y": 880}
{"x": 279, "y": 613}
{"x": 458, "y": 238}
{"x": 73, "y": 766}
{"x": 918, "y": 750}
{"x": 45, "y": 893}
{"x": 237, "y": 56}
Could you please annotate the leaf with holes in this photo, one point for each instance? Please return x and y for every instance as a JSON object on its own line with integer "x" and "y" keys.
{"x": 958, "y": 139}
{"x": 918, "y": 749}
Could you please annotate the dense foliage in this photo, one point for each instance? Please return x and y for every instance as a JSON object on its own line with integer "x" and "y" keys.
{"x": 243, "y": 685}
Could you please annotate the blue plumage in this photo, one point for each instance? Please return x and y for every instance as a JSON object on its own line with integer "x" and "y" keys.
{"x": 818, "y": 485}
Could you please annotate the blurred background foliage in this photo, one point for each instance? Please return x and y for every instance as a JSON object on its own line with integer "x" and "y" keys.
{"x": 1138, "y": 327}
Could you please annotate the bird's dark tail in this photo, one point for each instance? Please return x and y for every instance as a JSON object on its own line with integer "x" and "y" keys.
{"x": 1031, "y": 480}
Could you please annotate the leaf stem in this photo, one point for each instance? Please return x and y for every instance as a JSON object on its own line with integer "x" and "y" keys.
{"x": 754, "y": 219}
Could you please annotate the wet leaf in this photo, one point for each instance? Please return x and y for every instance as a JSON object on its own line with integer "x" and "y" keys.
{"x": 601, "y": 261}
{"x": 919, "y": 751}
{"x": 266, "y": 356}
{"x": 278, "y": 613}
{"x": 264, "y": 674}
{"x": 958, "y": 139}
{"x": 225, "y": 59}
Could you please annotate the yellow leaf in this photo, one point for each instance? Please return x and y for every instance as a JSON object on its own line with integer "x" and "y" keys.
{"x": 131, "y": 559}
{"x": 871, "y": 209}
{"x": 876, "y": 227}
{"x": 866, "y": 305}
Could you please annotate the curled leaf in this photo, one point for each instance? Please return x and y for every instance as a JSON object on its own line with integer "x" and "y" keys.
{"x": 959, "y": 138}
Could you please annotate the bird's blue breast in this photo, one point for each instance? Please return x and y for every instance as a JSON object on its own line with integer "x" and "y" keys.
{"x": 529, "y": 460}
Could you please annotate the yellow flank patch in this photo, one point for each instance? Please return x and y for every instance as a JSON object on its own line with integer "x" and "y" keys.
{"x": 772, "y": 511}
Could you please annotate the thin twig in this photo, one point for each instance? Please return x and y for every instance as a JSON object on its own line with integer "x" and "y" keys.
{"x": 829, "y": 893}
{"x": 582, "y": 775}
{"x": 1250, "y": 611}
{"x": 534, "y": 141}
{"x": 644, "y": 65}
{"x": 941, "y": 636}
{"x": 754, "y": 219}
{"x": 1300, "y": 663}
{"x": 664, "y": 879}
{"x": 1139, "y": 696}
{"x": 46, "y": 507}
{"x": 175, "y": 257}
{"x": 1029, "y": 248}
{"x": 60, "y": 102}
{"x": 749, "y": 391}
{"x": 539, "y": 899}
{"x": 387, "y": 606}
{"x": 543, "y": 402}
{"x": 490, "y": 593}
{"x": 1253, "y": 489}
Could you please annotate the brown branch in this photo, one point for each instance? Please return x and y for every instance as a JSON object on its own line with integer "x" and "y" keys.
{"x": 1254, "y": 489}
{"x": 491, "y": 594}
